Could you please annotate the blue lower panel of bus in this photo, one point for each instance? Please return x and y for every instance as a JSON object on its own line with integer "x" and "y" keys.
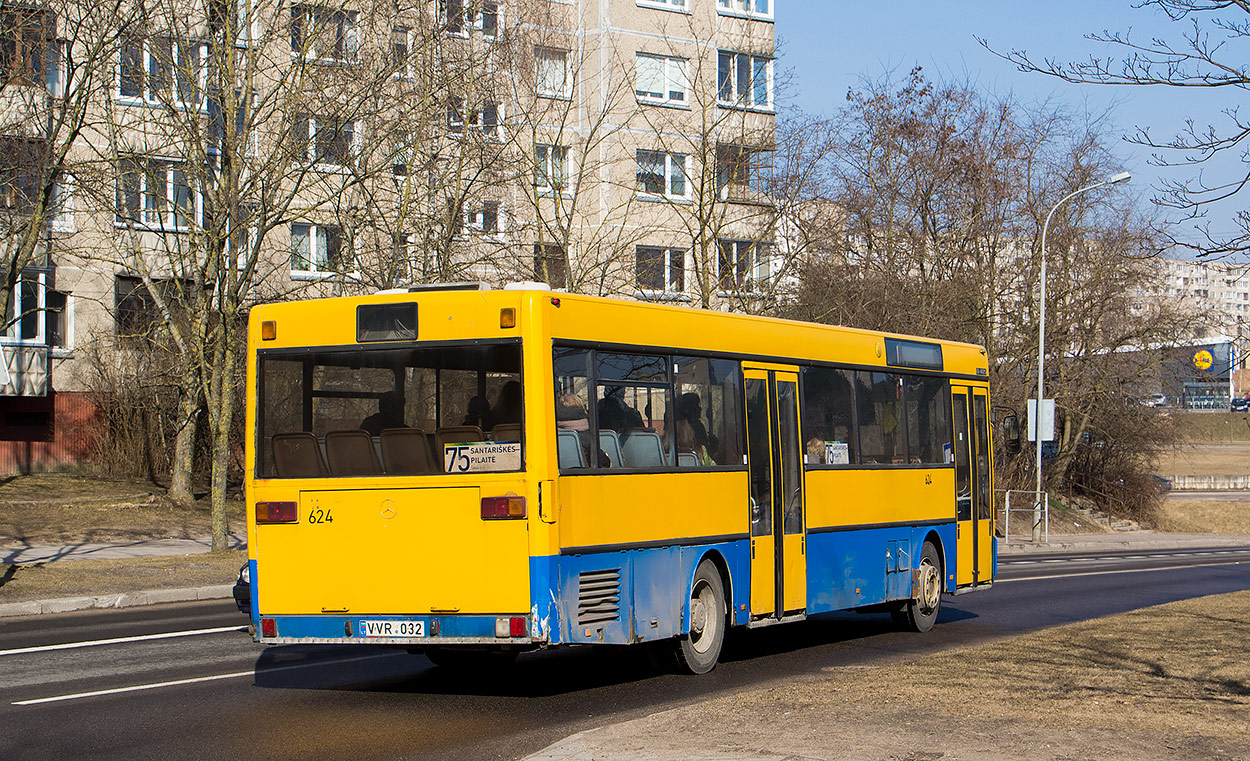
{"x": 617, "y": 597}
{"x": 857, "y": 567}
{"x": 478, "y": 628}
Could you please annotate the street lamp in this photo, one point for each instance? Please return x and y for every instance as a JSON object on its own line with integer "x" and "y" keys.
{"x": 1114, "y": 179}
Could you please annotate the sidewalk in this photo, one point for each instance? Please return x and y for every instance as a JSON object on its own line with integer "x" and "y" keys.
{"x": 140, "y": 548}
{"x": 1125, "y": 540}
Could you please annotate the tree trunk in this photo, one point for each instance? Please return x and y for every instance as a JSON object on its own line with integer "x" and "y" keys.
{"x": 222, "y": 412}
{"x": 184, "y": 447}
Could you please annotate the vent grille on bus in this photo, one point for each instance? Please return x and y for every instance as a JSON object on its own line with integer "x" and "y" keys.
{"x": 598, "y": 596}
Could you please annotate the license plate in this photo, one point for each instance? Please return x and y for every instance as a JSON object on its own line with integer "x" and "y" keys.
{"x": 400, "y": 629}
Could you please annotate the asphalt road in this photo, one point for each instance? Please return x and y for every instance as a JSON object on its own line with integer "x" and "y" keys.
{"x": 213, "y": 694}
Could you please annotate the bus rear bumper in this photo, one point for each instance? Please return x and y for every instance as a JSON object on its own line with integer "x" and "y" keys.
{"x": 513, "y": 631}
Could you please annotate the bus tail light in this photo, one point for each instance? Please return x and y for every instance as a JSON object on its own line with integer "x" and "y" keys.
{"x": 503, "y": 508}
{"x": 513, "y": 626}
{"x": 276, "y": 512}
{"x": 268, "y": 627}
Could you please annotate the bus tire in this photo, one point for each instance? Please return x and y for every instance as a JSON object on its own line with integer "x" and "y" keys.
{"x": 921, "y": 612}
{"x": 698, "y": 650}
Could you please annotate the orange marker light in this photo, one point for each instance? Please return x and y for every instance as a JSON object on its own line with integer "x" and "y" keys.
{"x": 507, "y": 317}
{"x": 268, "y": 330}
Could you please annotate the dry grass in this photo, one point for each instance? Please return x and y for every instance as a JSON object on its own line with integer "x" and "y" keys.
{"x": 1199, "y": 460}
{"x": 1171, "y": 682}
{"x": 1203, "y": 517}
{"x": 81, "y": 578}
{"x": 56, "y": 508}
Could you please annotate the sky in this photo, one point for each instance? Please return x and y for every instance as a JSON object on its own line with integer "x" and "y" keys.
{"x": 832, "y": 45}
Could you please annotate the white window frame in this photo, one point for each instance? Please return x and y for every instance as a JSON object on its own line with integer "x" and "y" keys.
{"x": 674, "y": 75}
{"x": 473, "y": 119}
{"x": 351, "y": 34}
{"x": 310, "y": 154}
{"x": 670, "y": 267}
{"x": 670, "y": 162}
{"x": 62, "y": 220}
{"x": 149, "y": 200}
{"x": 544, "y": 169}
{"x": 403, "y": 70}
{"x": 554, "y": 55}
{"x": 472, "y": 18}
{"x": 474, "y": 218}
{"x": 317, "y": 235}
{"x": 11, "y": 334}
{"x": 746, "y": 8}
{"x": 678, "y": 6}
{"x": 744, "y": 100}
{"x": 759, "y": 268}
{"x": 146, "y": 95}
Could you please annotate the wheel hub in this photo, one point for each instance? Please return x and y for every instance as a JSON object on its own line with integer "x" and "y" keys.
{"x": 930, "y": 586}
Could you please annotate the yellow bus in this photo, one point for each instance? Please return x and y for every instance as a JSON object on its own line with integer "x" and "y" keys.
{"x": 472, "y": 473}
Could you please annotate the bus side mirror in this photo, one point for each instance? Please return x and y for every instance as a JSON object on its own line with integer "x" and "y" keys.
{"x": 1009, "y": 433}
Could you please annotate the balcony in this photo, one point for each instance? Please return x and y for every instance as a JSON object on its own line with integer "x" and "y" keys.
{"x": 25, "y": 370}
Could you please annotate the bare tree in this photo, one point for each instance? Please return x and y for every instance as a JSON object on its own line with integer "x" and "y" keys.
{"x": 938, "y": 194}
{"x": 1203, "y": 53}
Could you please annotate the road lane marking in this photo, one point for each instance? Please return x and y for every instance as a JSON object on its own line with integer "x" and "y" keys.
{"x": 121, "y": 640}
{"x": 198, "y": 679}
{"x": 1124, "y": 570}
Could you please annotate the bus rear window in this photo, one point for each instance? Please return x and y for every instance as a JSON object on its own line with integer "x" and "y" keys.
{"x": 401, "y": 412}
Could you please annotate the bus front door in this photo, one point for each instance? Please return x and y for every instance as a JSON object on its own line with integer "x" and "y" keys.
{"x": 974, "y": 507}
{"x": 775, "y": 465}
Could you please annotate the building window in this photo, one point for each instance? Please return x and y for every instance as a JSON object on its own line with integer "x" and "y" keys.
{"x": 315, "y": 249}
{"x": 661, "y": 79}
{"x": 552, "y": 72}
{"x": 27, "y": 43}
{"x": 135, "y": 311}
{"x": 37, "y": 314}
{"x": 549, "y": 264}
{"x": 667, "y": 4}
{"x": 752, "y": 8}
{"x": 662, "y": 174}
{"x": 551, "y": 167}
{"x": 21, "y": 172}
{"x": 401, "y": 51}
{"x": 661, "y": 269}
{"x": 61, "y": 204}
{"x": 487, "y": 118}
{"x": 161, "y": 70}
{"x": 484, "y": 219}
{"x": 743, "y": 265}
{"x": 323, "y": 33}
{"x": 458, "y": 17}
{"x": 329, "y": 142}
{"x": 744, "y": 80}
{"x": 241, "y": 13}
{"x": 156, "y": 194}
{"x": 742, "y": 173}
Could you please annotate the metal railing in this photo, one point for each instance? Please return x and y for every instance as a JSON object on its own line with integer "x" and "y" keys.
{"x": 1032, "y": 504}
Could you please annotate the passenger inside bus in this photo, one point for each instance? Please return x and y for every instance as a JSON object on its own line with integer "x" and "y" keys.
{"x": 691, "y": 434}
{"x": 390, "y": 414}
{"x": 508, "y": 405}
{"x": 479, "y": 413}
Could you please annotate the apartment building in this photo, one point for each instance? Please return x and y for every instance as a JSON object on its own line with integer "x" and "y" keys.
{"x": 156, "y": 164}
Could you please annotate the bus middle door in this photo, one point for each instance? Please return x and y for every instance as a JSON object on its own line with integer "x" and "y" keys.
{"x": 775, "y": 465}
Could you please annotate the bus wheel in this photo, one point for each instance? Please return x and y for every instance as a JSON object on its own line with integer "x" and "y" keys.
{"x": 698, "y": 651}
{"x": 470, "y": 660}
{"x": 921, "y": 611}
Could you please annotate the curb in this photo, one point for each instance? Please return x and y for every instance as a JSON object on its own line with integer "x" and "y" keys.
{"x": 1030, "y": 548}
{"x": 116, "y": 600}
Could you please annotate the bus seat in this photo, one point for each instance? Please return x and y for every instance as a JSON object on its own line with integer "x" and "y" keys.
{"x": 351, "y": 453}
{"x": 297, "y": 455}
{"x": 406, "y": 452}
{"x": 643, "y": 449}
{"x": 454, "y": 434}
{"x": 569, "y": 448}
{"x": 610, "y": 443}
{"x": 687, "y": 460}
{"x": 506, "y": 432}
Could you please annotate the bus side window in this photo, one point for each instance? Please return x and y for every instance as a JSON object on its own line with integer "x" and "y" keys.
{"x": 828, "y": 416}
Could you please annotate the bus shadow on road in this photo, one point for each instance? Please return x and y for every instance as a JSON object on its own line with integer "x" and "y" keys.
{"x": 572, "y": 670}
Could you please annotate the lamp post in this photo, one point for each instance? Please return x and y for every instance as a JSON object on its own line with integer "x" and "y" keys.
{"x": 1114, "y": 179}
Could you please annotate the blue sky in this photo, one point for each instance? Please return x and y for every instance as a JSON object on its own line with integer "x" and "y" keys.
{"x": 832, "y": 44}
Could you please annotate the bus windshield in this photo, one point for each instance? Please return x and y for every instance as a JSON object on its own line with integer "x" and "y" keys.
{"x": 374, "y": 412}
